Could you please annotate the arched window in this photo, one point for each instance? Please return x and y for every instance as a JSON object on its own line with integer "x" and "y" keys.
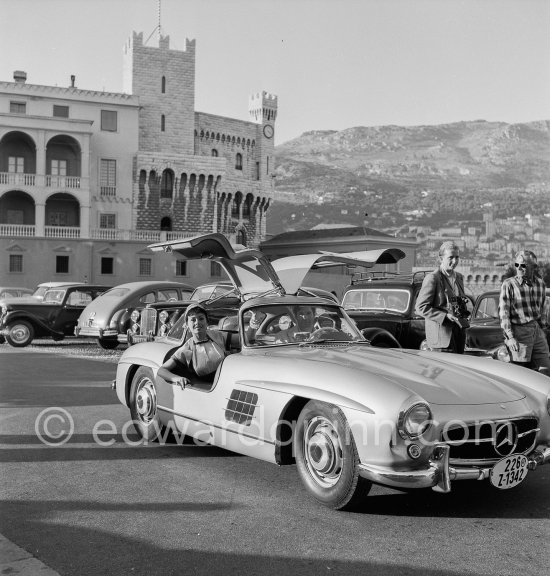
{"x": 241, "y": 237}
{"x": 162, "y": 123}
{"x": 163, "y": 85}
{"x": 247, "y": 206}
{"x": 239, "y": 162}
{"x": 214, "y": 152}
{"x": 166, "y": 224}
{"x": 236, "y": 205}
{"x": 167, "y": 184}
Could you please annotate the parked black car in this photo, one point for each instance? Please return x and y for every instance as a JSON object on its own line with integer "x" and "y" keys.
{"x": 55, "y": 316}
{"x": 485, "y": 332}
{"x": 382, "y": 305}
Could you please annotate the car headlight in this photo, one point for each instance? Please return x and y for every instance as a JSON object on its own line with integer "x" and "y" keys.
{"x": 163, "y": 316}
{"x": 502, "y": 354}
{"x": 414, "y": 421}
{"x": 134, "y": 316}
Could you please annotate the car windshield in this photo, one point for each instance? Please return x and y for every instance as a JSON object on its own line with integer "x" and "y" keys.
{"x": 40, "y": 291}
{"x": 209, "y": 292}
{"x": 395, "y": 300}
{"x": 282, "y": 324}
{"x": 54, "y": 296}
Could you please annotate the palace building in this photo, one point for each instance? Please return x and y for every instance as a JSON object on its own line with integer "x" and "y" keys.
{"x": 88, "y": 178}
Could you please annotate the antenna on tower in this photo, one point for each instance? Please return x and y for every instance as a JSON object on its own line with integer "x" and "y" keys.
{"x": 157, "y": 28}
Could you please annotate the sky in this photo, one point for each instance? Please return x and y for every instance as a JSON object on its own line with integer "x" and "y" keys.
{"x": 334, "y": 64}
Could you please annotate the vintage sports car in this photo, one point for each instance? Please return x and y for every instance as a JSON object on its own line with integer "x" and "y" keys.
{"x": 485, "y": 332}
{"x": 109, "y": 318}
{"x": 304, "y": 387}
{"x": 52, "y": 316}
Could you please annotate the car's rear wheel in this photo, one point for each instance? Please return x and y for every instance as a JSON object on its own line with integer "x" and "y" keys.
{"x": 107, "y": 343}
{"x": 20, "y": 333}
{"x": 143, "y": 405}
{"x": 326, "y": 457}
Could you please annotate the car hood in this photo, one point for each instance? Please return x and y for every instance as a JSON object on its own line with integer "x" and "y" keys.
{"x": 433, "y": 376}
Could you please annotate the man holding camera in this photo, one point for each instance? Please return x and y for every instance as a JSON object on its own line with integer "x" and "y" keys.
{"x": 442, "y": 302}
{"x": 521, "y": 310}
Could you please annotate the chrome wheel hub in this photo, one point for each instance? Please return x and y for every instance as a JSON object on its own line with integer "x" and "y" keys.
{"x": 146, "y": 401}
{"x": 19, "y": 333}
{"x": 323, "y": 451}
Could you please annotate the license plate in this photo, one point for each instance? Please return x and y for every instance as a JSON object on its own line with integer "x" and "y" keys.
{"x": 509, "y": 472}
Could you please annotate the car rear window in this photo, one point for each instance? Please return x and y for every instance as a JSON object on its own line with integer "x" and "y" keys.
{"x": 377, "y": 299}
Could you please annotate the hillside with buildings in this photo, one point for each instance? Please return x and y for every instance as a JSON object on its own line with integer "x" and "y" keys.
{"x": 486, "y": 184}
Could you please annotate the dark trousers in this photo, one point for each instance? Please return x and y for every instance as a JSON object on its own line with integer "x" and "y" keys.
{"x": 457, "y": 343}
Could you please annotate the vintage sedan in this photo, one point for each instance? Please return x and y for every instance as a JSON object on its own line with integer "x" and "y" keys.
{"x": 383, "y": 307}
{"x": 485, "y": 332}
{"x": 346, "y": 413}
{"x": 109, "y": 318}
{"x": 52, "y": 316}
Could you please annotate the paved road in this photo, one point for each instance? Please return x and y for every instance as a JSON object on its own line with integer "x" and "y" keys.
{"x": 85, "y": 508}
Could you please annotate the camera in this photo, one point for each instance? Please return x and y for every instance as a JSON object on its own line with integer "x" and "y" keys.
{"x": 458, "y": 306}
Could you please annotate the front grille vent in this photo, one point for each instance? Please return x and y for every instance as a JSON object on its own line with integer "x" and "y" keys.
{"x": 489, "y": 441}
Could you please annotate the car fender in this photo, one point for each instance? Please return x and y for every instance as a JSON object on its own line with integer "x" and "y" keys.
{"x": 148, "y": 354}
{"x": 39, "y": 325}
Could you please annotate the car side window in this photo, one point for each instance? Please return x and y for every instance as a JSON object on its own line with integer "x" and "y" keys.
{"x": 488, "y": 308}
{"x": 168, "y": 294}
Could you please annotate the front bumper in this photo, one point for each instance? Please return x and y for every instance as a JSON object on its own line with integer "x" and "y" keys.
{"x": 94, "y": 332}
{"x": 439, "y": 474}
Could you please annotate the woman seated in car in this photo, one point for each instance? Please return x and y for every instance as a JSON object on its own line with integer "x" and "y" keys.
{"x": 200, "y": 356}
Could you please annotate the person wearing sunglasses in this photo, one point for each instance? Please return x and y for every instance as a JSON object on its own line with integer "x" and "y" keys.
{"x": 521, "y": 306}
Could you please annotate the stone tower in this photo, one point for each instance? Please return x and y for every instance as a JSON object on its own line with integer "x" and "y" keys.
{"x": 164, "y": 80}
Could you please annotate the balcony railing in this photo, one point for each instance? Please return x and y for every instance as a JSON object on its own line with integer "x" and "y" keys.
{"x": 61, "y": 231}
{"x": 17, "y": 230}
{"x": 74, "y": 232}
{"x": 43, "y": 180}
{"x": 115, "y": 234}
{"x": 62, "y": 181}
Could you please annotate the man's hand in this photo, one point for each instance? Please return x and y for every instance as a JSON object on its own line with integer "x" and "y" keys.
{"x": 454, "y": 318}
{"x": 512, "y": 344}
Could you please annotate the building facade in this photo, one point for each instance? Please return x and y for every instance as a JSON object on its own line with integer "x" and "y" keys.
{"x": 88, "y": 179}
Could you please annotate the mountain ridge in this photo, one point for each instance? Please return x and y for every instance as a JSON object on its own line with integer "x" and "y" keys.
{"x": 403, "y": 168}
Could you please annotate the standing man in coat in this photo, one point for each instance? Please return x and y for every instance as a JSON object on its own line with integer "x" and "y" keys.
{"x": 442, "y": 302}
{"x": 522, "y": 314}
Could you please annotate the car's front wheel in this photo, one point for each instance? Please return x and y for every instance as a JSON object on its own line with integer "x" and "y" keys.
{"x": 107, "y": 343}
{"x": 20, "y": 333}
{"x": 326, "y": 457}
{"x": 143, "y": 405}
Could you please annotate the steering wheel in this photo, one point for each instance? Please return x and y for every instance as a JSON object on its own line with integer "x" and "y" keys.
{"x": 328, "y": 334}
